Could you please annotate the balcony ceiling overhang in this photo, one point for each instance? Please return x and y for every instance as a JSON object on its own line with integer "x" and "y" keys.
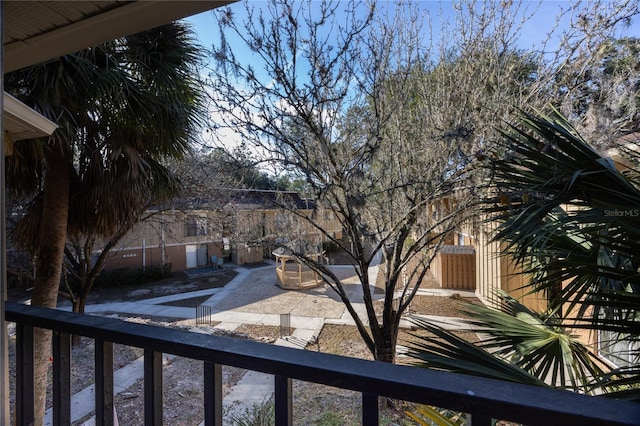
{"x": 37, "y": 31}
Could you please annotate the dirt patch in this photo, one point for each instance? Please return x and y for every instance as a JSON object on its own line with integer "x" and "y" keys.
{"x": 346, "y": 341}
{"x": 453, "y": 306}
{"x": 317, "y": 404}
{"x": 179, "y": 283}
{"x": 182, "y": 394}
{"x": 313, "y": 404}
{"x": 260, "y": 333}
{"x": 342, "y": 340}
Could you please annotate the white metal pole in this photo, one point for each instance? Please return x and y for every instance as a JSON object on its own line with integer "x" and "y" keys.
{"x": 4, "y": 340}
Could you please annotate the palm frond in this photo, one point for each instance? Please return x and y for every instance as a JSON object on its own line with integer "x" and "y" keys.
{"x": 567, "y": 215}
{"x": 517, "y": 345}
{"x": 448, "y": 352}
{"x": 425, "y": 415}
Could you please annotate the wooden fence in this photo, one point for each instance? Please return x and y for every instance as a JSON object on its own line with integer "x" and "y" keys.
{"x": 454, "y": 267}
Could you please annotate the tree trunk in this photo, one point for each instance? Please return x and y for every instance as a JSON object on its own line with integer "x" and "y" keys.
{"x": 386, "y": 343}
{"x": 80, "y": 303}
{"x": 386, "y": 353}
{"x": 53, "y": 235}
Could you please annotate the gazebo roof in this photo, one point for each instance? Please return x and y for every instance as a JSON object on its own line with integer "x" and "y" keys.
{"x": 296, "y": 248}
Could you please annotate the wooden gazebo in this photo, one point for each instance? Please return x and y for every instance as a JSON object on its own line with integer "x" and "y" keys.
{"x": 292, "y": 273}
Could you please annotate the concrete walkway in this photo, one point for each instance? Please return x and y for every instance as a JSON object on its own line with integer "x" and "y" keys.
{"x": 252, "y": 297}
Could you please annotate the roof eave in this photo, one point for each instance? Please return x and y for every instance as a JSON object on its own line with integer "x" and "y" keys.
{"x": 123, "y": 20}
{"x": 22, "y": 122}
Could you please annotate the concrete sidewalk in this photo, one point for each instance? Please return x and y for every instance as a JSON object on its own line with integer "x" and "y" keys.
{"x": 253, "y": 298}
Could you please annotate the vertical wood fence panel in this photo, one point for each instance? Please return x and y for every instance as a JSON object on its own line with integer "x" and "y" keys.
{"x": 455, "y": 267}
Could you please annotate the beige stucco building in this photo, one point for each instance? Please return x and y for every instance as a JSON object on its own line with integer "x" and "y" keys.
{"x": 241, "y": 226}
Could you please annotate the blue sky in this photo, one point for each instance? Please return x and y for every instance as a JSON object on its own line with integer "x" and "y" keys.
{"x": 532, "y": 33}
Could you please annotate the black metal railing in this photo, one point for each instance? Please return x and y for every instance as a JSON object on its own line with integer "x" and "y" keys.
{"x": 484, "y": 399}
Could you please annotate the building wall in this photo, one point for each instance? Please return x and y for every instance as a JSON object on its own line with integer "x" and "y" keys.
{"x": 243, "y": 255}
{"x": 135, "y": 259}
{"x": 329, "y": 222}
{"x": 271, "y": 227}
{"x": 488, "y": 266}
{"x": 243, "y": 229}
{"x": 513, "y": 281}
{"x": 167, "y": 234}
{"x": 495, "y": 271}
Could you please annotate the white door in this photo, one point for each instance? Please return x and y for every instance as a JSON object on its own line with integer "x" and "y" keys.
{"x": 192, "y": 256}
{"x": 202, "y": 255}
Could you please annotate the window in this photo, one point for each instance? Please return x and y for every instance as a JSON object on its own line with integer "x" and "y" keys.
{"x": 196, "y": 226}
{"x": 281, "y": 221}
{"x": 620, "y": 349}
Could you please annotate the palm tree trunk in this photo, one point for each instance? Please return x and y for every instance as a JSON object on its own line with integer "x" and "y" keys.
{"x": 53, "y": 235}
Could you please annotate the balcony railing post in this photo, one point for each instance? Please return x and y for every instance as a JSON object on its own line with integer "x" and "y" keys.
{"x": 104, "y": 383}
{"x": 152, "y": 387}
{"x": 370, "y": 409}
{"x": 212, "y": 394}
{"x": 25, "y": 397}
{"x": 475, "y": 420}
{"x": 283, "y": 400}
{"x": 61, "y": 378}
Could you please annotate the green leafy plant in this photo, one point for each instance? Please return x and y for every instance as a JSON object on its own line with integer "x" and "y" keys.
{"x": 567, "y": 217}
{"x": 570, "y": 219}
{"x": 518, "y": 345}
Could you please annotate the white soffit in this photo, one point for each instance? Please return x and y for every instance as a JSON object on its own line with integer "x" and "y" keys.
{"x": 22, "y": 122}
{"x": 36, "y": 31}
